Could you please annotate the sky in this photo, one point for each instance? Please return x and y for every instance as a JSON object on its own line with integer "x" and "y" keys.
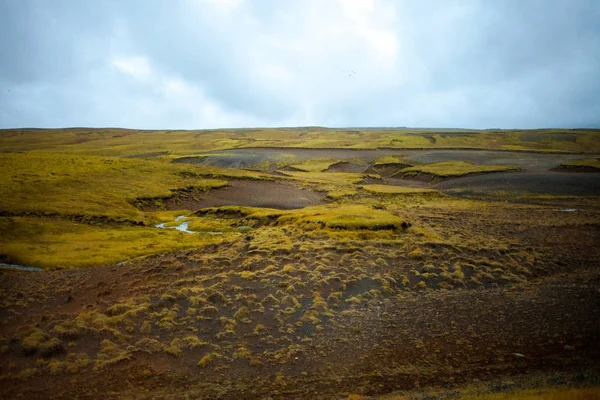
{"x": 200, "y": 64}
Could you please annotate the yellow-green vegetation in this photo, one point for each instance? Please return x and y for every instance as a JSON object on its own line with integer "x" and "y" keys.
{"x": 376, "y": 288}
{"x": 110, "y": 353}
{"x": 59, "y": 243}
{"x": 169, "y": 144}
{"x": 40, "y": 341}
{"x": 208, "y": 359}
{"x": 340, "y": 192}
{"x": 314, "y": 165}
{"x": 336, "y": 184}
{"x": 71, "y": 211}
{"x": 334, "y": 216}
{"x": 271, "y": 240}
{"x": 50, "y": 184}
{"x": 390, "y": 189}
{"x": 448, "y": 169}
{"x": 591, "y": 163}
{"x": 73, "y": 363}
{"x": 326, "y": 178}
{"x": 208, "y": 225}
{"x": 389, "y": 160}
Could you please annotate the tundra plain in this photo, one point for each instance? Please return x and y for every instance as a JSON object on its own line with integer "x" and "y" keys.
{"x": 300, "y": 263}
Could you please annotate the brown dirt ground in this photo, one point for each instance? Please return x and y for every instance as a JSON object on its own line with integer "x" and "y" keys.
{"x": 546, "y": 322}
{"x": 269, "y": 194}
{"x": 344, "y": 166}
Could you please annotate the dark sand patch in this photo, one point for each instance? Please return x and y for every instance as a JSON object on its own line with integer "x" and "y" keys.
{"x": 569, "y": 169}
{"x": 253, "y": 157}
{"x": 526, "y": 161}
{"x": 344, "y": 166}
{"x": 189, "y": 160}
{"x": 573, "y": 184}
{"x": 386, "y": 170}
{"x": 270, "y": 194}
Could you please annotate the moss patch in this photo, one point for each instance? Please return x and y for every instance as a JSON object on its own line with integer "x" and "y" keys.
{"x": 449, "y": 169}
{"x": 389, "y": 189}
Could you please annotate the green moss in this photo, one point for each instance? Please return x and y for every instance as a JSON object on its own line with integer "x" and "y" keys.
{"x": 314, "y": 165}
{"x": 389, "y": 160}
{"x": 344, "y": 217}
{"x": 174, "y": 144}
{"x": 454, "y": 168}
{"x": 338, "y": 193}
{"x": 75, "y": 362}
{"x": 60, "y": 184}
{"x": 208, "y": 359}
{"x": 54, "y": 243}
{"x": 207, "y": 225}
{"x": 40, "y": 341}
{"x": 388, "y": 189}
{"x": 110, "y": 353}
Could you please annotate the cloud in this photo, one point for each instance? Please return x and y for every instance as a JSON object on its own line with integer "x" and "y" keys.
{"x": 364, "y": 18}
{"x": 230, "y": 63}
{"x": 224, "y": 5}
{"x": 135, "y": 66}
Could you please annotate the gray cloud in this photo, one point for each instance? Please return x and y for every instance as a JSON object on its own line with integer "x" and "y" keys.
{"x": 229, "y": 63}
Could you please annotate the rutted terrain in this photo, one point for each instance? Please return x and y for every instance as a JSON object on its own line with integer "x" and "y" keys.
{"x": 539, "y": 173}
{"x": 250, "y": 193}
{"x": 175, "y": 269}
{"x": 294, "y": 314}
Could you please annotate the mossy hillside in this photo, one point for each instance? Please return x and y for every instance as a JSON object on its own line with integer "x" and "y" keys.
{"x": 55, "y": 243}
{"x": 49, "y": 184}
{"x": 449, "y": 169}
{"x": 120, "y": 142}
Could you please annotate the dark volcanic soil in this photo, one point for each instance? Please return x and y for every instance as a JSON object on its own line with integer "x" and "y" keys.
{"x": 347, "y": 167}
{"x": 249, "y": 193}
{"x": 526, "y": 161}
{"x": 251, "y": 157}
{"x": 558, "y": 184}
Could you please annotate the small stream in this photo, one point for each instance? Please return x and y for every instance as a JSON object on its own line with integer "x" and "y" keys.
{"x": 183, "y": 227}
{"x": 19, "y": 267}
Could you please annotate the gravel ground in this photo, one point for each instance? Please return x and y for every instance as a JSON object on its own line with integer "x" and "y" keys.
{"x": 553, "y": 183}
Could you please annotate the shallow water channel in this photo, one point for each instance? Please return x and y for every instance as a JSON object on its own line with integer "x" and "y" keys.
{"x": 183, "y": 227}
{"x": 19, "y": 267}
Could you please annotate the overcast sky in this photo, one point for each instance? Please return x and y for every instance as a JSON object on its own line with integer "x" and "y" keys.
{"x": 194, "y": 64}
